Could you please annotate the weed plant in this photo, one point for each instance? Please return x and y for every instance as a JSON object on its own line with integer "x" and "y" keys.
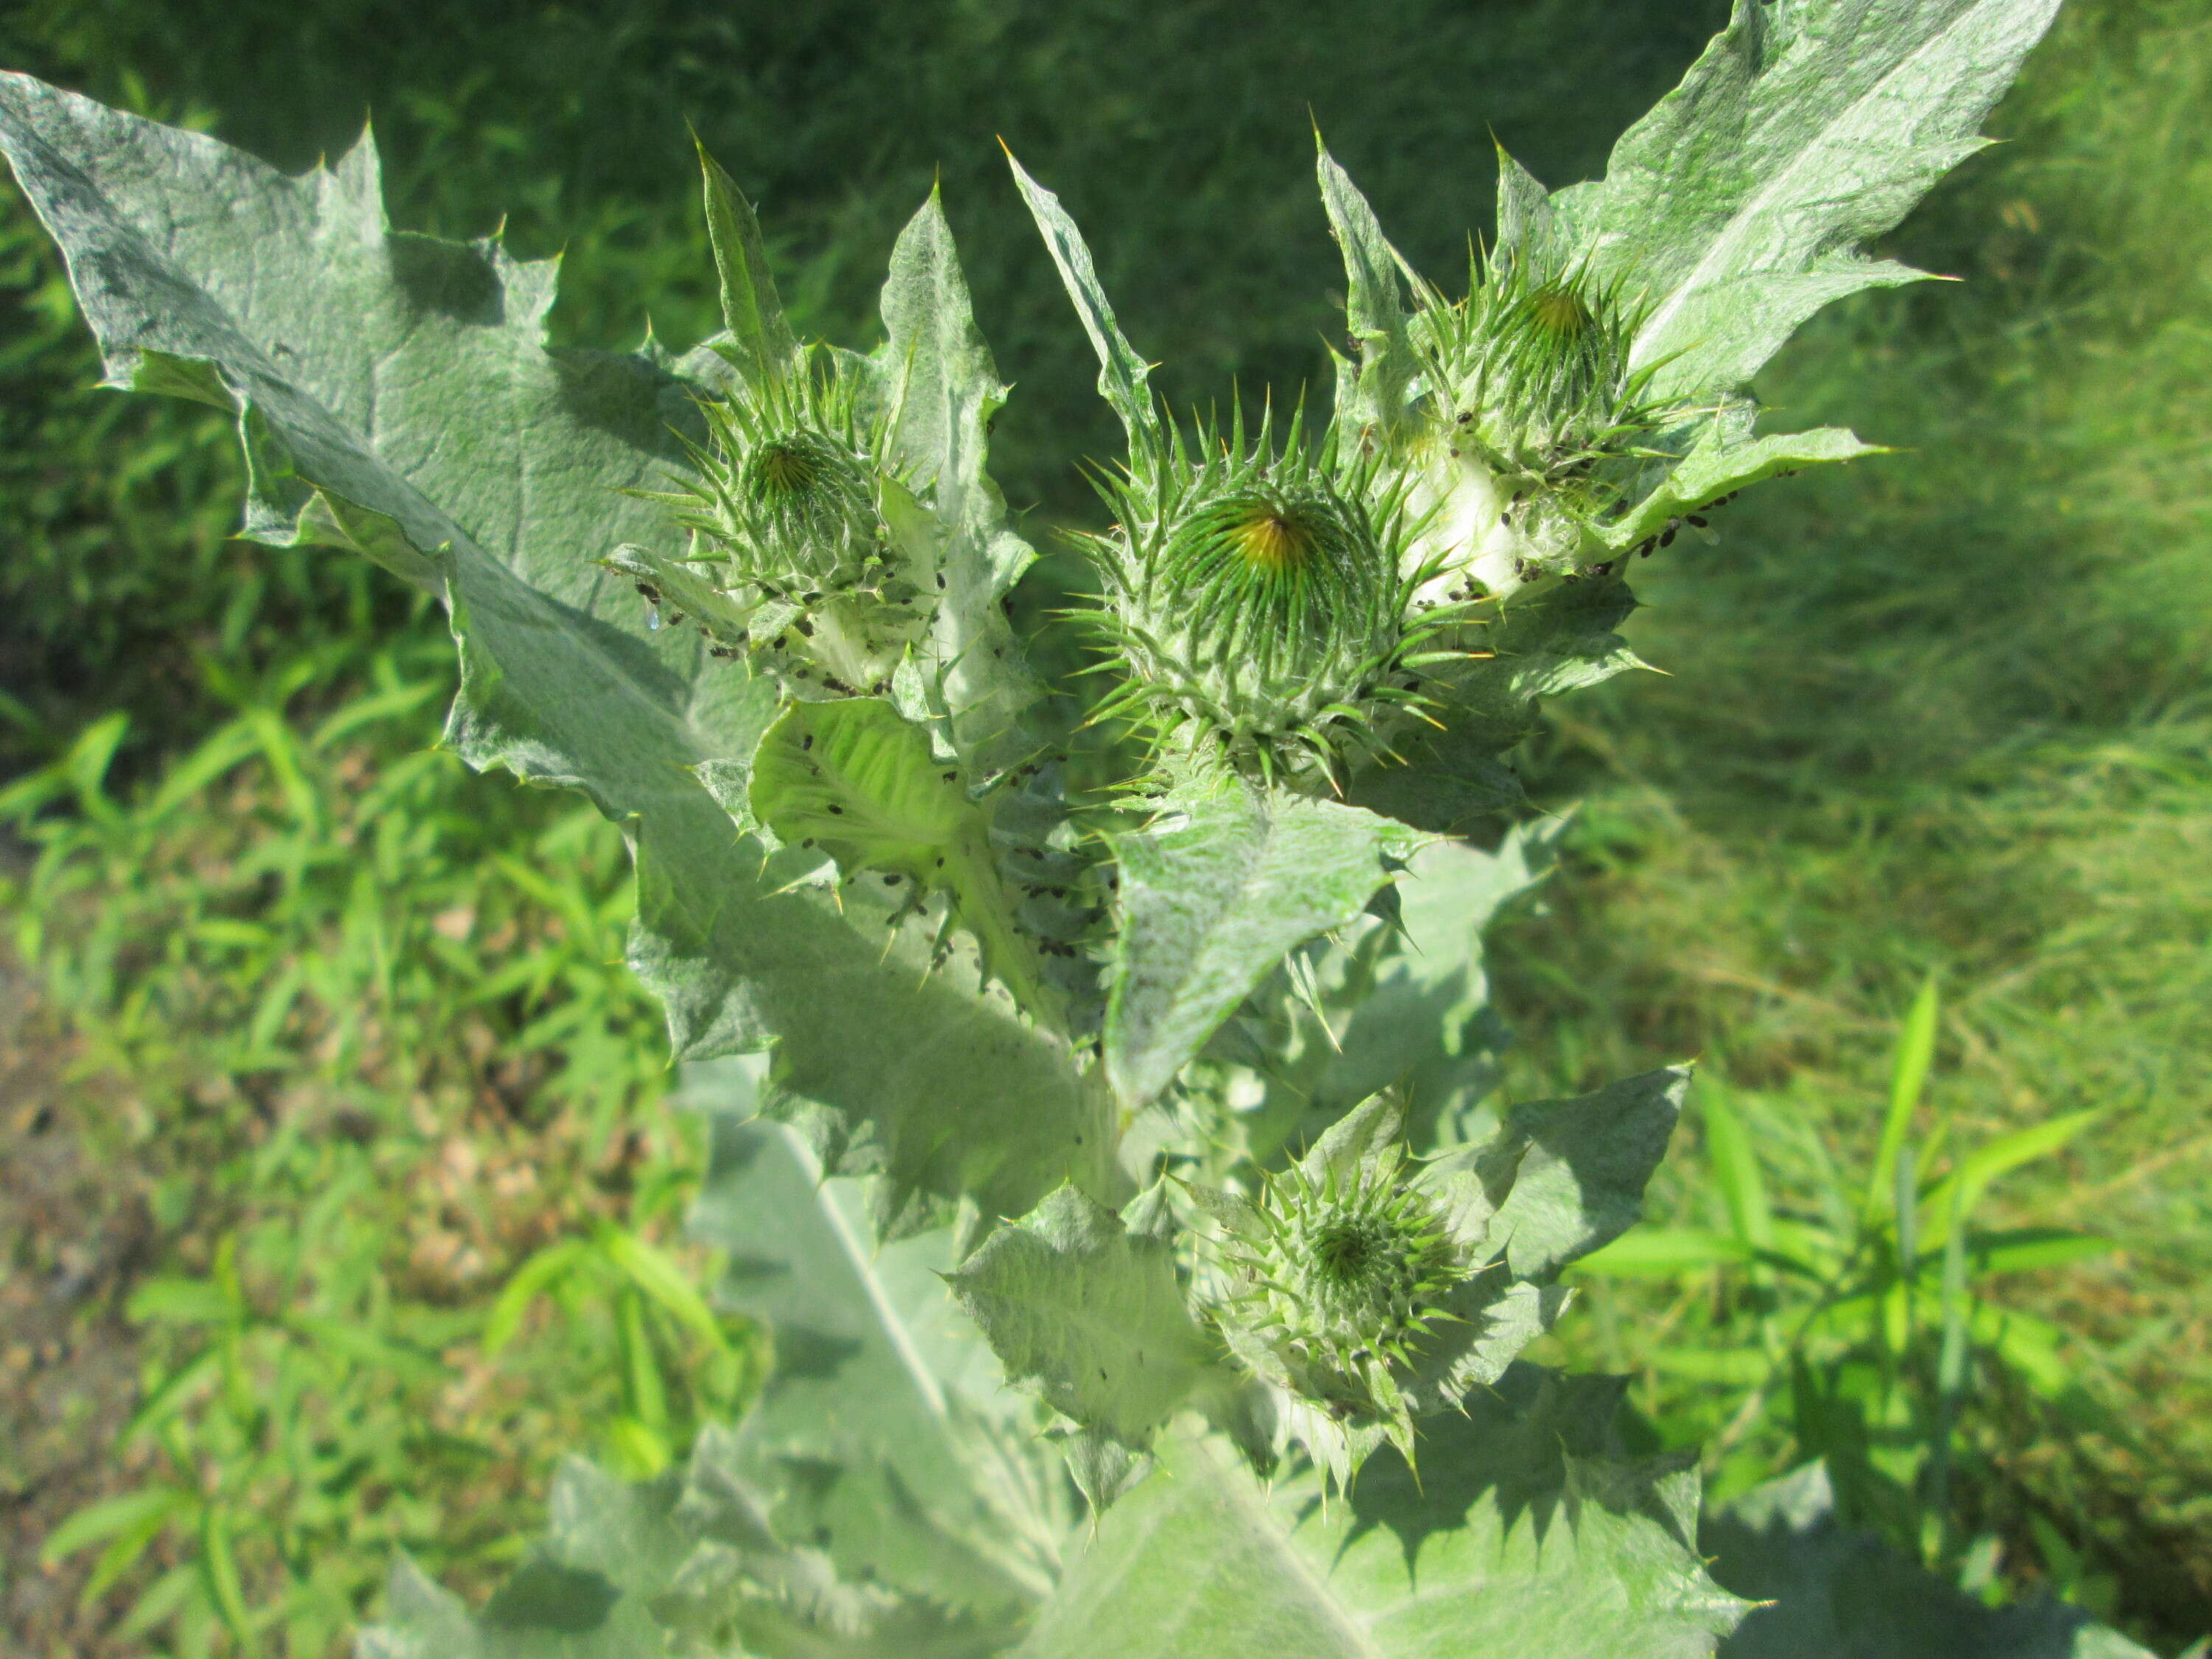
{"x": 2018, "y": 796}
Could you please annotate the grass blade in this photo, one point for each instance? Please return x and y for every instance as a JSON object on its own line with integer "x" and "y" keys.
{"x": 1908, "y": 1077}
{"x": 111, "y": 1516}
{"x": 219, "y": 1571}
{"x": 1736, "y": 1172}
{"x": 530, "y": 1280}
{"x": 656, "y": 1274}
{"x": 1986, "y": 1163}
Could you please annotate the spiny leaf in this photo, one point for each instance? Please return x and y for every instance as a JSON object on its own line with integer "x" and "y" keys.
{"x": 1228, "y": 881}
{"x": 857, "y": 780}
{"x": 1721, "y": 463}
{"x": 1526, "y": 1538}
{"x": 759, "y": 333}
{"x": 408, "y": 379}
{"x": 1738, "y": 206}
{"x": 939, "y": 1491}
{"x": 1122, "y": 374}
{"x": 935, "y": 370}
{"x": 1403, "y": 999}
{"x": 1088, "y": 1312}
{"x": 1373, "y": 307}
{"x": 1580, "y": 1167}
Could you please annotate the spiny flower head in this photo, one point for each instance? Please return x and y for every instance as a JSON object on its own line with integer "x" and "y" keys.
{"x": 1348, "y": 1270}
{"x": 1254, "y": 596}
{"x": 1533, "y": 370}
{"x": 787, "y": 491}
{"x": 786, "y": 504}
{"x": 1339, "y": 1271}
{"x": 1538, "y": 423}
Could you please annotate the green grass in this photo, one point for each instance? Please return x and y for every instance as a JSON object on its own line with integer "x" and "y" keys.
{"x": 1950, "y": 712}
{"x": 351, "y": 1022}
{"x": 345, "y": 1015}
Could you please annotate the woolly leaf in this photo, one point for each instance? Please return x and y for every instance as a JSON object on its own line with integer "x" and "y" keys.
{"x": 1213, "y": 894}
{"x": 1524, "y": 1539}
{"x": 1121, "y": 373}
{"x": 1088, "y": 1312}
{"x": 1737, "y": 207}
{"x": 1720, "y": 462}
{"x": 1403, "y": 999}
{"x": 1557, "y": 639}
{"x": 1579, "y": 1168}
{"x": 683, "y": 1564}
{"x": 935, "y": 370}
{"x": 938, "y": 1490}
{"x": 396, "y": 397}
{"x": 1374, "y": 309}
{"x": 760, "y": 335}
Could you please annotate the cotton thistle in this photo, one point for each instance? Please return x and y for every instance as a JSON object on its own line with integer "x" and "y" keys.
{"x": 1254, "y": 600}
{"x": 1337, "y": 1277}
{"x": 1534, "y": 427}
{"x": 789, "y": 503}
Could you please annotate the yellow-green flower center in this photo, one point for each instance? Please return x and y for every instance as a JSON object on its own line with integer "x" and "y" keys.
{"x": 786, "y": 469}
{"x": 1560, "y": 312}
{"x": 1271, "y": 540}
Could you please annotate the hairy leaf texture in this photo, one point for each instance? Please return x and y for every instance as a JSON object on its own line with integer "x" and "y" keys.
{"x": 396, "y": 398}
{"x": 1739, "y": 206}
{"x": 1525, "y": 1537}
{"x": 1728, "y": 215}
{"x": 1090, "y": 1312}
{"x": 1225, "y": 880}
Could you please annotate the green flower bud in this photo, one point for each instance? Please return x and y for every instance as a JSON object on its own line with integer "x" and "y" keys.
{"x": 1339, "y": 1282}
{"x": 790, "y": 492}
{"x": 1257, "y": 598}
{"x": 786, "y": 504}
{"x": 1537, "y": 426}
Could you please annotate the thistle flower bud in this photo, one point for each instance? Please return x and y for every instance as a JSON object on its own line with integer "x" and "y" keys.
{"x": 786, "y": 503}
{"x": 789, "y": 491}
{"x": 1338, "y": 1272}
{"x": 1255, "y": 598}
{"x": 1537, "y": 425}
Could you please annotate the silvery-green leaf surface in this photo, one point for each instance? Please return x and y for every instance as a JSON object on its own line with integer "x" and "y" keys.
{"x": 1524, "y": 1539}
{"x": 1088, "y": 1312}
{"x": 885, "y": 1437}
{"x": 1721, "y": 461}
{"x": 1373, "y": 310}
{"x": 1227, "y": 880}
{"x": 1576, "y": 1169}
{"x": 760, "y": 336}
{"x": 1738, "y": 206}
{"x": 935, "y": 372}
{"x": 685, "y": 1564}
{"x": 1122, "y": 373}
{"x": 1552, "y": 639}
{"x": 1833, "y": 1593}
{"x": 1396, "y": 1000}
{"x": 1741, "y": 205}
{"x": 396, "y": 398}
{"x": 854, "y": 778}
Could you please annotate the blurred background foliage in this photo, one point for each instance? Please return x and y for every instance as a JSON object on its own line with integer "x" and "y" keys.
{"x": 313, "y": 1044}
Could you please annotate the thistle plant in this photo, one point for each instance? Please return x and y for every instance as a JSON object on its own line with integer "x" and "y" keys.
{"x": 1085, "y": 1103}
